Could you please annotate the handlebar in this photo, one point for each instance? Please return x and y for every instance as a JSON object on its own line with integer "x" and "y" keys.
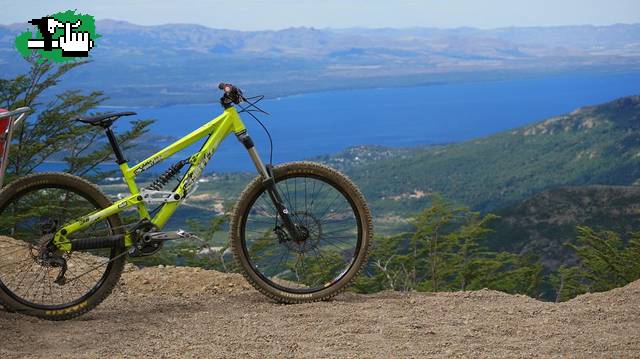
{"x": 232, "y": 95}
{"x": 18, "y": 111}
{"x": 8, "y": 122}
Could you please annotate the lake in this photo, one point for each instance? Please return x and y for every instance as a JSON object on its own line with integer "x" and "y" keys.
{"x": 309, "y": 125}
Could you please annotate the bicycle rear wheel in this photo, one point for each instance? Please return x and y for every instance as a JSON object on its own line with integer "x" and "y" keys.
{"x": 37, "y": 280}
{"x": 335, "y": 221}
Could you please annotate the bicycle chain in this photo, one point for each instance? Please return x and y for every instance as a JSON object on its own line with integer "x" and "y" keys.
{"x": 191, "y": 236}
{"x": 96, "y": 267}
{"x": 125, "y": 226}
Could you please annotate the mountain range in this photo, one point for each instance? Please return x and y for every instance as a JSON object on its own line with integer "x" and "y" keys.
{"x": 182, "y": 63}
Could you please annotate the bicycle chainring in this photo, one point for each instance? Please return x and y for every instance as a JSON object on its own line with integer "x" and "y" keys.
{"x": 143, "y": 244}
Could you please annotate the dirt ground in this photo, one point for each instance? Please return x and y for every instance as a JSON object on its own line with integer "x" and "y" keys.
{"x": 188, "y": 312}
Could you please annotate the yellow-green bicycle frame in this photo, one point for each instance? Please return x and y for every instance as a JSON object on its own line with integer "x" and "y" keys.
{"x": 216, "y": 130}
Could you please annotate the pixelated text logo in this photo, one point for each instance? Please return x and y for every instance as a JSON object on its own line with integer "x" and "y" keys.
{"x": 60, "y": 37}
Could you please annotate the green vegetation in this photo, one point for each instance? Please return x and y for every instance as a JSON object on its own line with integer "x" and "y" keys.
{"x": 54, "y": 131}
{"x": 442, "y": 253}
{"x": 542, "y": 180}
{"x": 593, "y": 145}
{"x": 606, "y": 262}
{"x": 543, "y": 223}
{"x": 521, "y": 249}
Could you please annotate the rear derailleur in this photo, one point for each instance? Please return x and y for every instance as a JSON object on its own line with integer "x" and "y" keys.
{"x": 47, "y": 254}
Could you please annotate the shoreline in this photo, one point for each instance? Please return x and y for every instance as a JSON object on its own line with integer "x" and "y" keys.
{"x": 396, "y": 83}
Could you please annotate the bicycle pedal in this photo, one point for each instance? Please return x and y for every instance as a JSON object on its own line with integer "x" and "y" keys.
{"x": 168, "y": 236}
{"x": 185, "y": 234}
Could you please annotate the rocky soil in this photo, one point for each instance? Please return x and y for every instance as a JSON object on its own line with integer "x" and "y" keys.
{"x": 188, "y": 312}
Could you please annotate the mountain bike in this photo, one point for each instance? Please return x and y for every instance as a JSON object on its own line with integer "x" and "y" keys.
{"x": 300, "y": 231}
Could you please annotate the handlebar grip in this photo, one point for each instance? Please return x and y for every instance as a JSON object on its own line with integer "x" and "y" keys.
{"x": 225, "y": 87}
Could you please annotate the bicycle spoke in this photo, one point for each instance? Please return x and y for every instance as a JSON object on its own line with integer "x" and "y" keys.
{"x": 6, "y": 254}
{"x": 325, "y": 216}
{"x": 25, "y": 268}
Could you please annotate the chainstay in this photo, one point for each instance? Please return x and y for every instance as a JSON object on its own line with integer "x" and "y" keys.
{"x": 126, "y": 226}
{"x": 96, "y": 267}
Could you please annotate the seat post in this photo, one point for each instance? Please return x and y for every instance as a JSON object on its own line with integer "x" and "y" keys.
{"x": 116, "y": 147}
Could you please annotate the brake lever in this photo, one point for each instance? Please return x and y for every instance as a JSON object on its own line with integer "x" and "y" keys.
{"x": 232, "y": 94}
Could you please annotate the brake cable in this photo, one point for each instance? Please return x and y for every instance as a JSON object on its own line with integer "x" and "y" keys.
{"x": 252, "y": 101}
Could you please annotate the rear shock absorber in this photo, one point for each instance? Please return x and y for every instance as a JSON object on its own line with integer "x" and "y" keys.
{"x": 164, "y": 178}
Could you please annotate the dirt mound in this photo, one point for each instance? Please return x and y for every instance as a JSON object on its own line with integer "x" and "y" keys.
{"x": 179, "y": 281}
{"x": 627, "y": 295}
{"x": 178, "y": 312}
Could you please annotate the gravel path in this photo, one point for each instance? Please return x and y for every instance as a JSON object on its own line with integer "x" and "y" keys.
{"x": 188, "y": 312}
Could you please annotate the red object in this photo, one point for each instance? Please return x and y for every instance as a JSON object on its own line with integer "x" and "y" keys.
{"x": 4, "y": 124}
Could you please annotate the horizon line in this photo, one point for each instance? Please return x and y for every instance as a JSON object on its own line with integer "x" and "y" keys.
{"x": 357, "y": 27}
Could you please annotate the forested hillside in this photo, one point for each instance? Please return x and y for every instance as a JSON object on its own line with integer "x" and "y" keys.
{"x": 592, "y": 145}
{"x": 545, "y": 224}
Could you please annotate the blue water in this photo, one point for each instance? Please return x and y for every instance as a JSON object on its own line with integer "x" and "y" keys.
{"x": 308, "y": 125}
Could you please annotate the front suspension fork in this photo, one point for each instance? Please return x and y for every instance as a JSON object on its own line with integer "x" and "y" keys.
{"x": 270, "y": 185}
{"x": 283, "y": 212}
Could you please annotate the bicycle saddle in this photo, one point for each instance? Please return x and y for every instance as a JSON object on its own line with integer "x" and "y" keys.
{"x": 104, "y": 120}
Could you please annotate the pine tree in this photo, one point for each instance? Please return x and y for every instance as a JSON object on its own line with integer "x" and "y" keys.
{"x": 52, "y": 133}
{"x": 443, "y": 253}
{"x": 431, "y": 244}
{"x": 567, "y": 283}
{"x": 510, "y": 273}
{"x": 389, "y": 266}
{"x": 468, "y": 255}
{"x": 606, "y": 262}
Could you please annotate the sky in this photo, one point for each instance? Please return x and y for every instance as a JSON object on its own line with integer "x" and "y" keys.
{"x": 279, "y": 14}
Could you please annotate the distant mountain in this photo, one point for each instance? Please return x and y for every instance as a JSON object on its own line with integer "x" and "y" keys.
{"x": 182, "y": 63}
{"x": 544, "y": 223}
{"x": 585, "y": 37}
{"x": 596, "y": 145}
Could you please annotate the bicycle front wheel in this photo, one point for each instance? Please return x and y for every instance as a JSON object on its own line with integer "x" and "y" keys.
{"x": 328, "y": 208}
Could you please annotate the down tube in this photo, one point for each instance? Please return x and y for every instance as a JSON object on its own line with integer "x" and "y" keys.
{"x": 198, "y": 162}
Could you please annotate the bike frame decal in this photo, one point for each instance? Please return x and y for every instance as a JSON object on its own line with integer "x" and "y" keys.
{"x": 216, "y": 130}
